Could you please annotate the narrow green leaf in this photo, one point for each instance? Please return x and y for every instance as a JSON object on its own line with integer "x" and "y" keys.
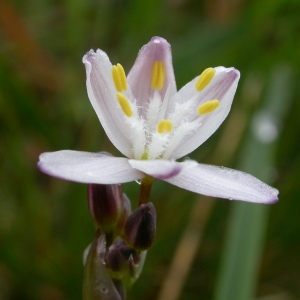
{"x": 244, "y": 240}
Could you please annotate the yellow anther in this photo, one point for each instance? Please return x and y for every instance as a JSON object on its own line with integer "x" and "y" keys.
{"x": 158, "y": 75}
{"x": 125, "y": 105}
{"x": 119, "y": 78}
{"x": 208, "y": 107}
{"x": 205, "y": 78}
{"x": 164, "y": 126}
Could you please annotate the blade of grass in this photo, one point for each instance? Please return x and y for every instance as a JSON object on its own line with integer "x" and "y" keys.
{"x": 245, "y": 235}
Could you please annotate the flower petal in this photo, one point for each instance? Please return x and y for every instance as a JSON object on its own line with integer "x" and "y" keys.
{"x": 103, "y": 96}
{"x": 224, "y": 183}
{"x": 161, "y": 169}
{"x": 222, "y": 87}
{"x": 140, "y": 76}
{"x": 86, "y": 167}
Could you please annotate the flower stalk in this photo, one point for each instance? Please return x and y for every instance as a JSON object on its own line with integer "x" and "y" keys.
{"x": 145, "y": 190}
{"x": 116, "y": 257}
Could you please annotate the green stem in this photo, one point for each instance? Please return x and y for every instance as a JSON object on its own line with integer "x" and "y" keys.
{"x": 145, "y": 191}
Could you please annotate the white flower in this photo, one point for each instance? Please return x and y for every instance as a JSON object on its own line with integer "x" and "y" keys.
{"x": 152, "y": 125}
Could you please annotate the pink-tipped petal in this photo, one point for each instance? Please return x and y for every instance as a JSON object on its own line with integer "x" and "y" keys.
{"x": 222, "y": 87}
{"x": 140, "y": 76}
{"x": 86, "y": 167}
{"x": 102, "y": 94}
{"x": 161, "y": 169}
{"x": 224, "y": 183}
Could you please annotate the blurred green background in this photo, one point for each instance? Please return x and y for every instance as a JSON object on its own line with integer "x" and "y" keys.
{"x": 217, "y": 249}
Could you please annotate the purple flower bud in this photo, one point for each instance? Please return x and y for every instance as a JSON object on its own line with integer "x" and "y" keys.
{"x": 126, "y": 211}
{"x": 140, "y": 227}
{"x": 105, "y": 204}
{"x": 121, "y": 258}
{"x": 98, "y": 282}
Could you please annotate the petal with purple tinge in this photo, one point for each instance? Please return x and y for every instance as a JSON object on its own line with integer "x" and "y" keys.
{"x": 161, "y": 169}
{"x": 224, "y": 183}
{"x": 141, "y": 75}
{"x": 86, "y": 167}
{"x": 222, "y": 87}
{"x": 102, "y": 94}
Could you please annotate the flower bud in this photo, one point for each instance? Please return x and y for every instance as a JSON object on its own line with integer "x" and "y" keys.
{"x": 105, "y": 204}
{"x": 121, "y": 258}
{"x": 98, "y": 283}
{"x": 140, "y": 227}
{"x": 126, "y": 210}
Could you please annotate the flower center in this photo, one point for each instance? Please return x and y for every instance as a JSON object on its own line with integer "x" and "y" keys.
{"x": 160, "y": 130}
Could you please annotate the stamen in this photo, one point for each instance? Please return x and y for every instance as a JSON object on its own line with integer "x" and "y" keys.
{"x": 182, "y": 131}
{"x": 205, "y": 78}
{"x": 208, "y": 107}
{"x": 157, "y": 145}
{"x": 138, "y": 136}
{"x": 119, "y": 78}
{"x": 152, "y": 111}
{"x": 181, "y": 111}
{"x": 164, "y": 126}
{"x": 125, "y": 105}
{"x": 164, "y": 104}
{"x": 145, "y": 154}
{"x": 158, "y": 75}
